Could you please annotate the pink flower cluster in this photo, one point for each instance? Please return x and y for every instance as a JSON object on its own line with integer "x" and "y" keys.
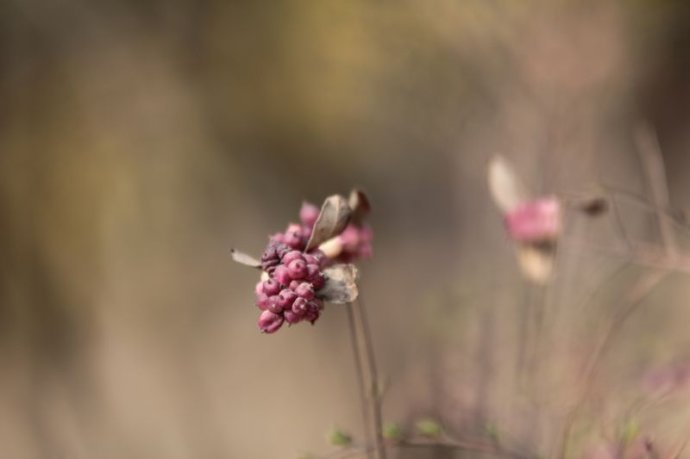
{"x": 291, "y": 280}
{"x": 288, "y": 291}
{"x": 352, "y": 244}
{"x": 296, "y": 235}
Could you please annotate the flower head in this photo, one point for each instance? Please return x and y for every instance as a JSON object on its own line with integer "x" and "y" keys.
{"x": 299, "y": 270}
{"x": 533, "y": 224}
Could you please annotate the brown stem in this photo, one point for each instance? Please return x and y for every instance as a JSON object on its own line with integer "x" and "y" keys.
{"x": 361, "y": 385}
{"x": 374, "y": 379}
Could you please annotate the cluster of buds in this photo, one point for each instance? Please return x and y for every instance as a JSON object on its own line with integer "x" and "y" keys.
{"x": 354, "y": 243}
{"x": 296, "y": 236}
{"x": 300, "y": 269}
{"x": 287, "y": 291}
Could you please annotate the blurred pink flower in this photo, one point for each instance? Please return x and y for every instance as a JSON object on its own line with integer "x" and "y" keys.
{"x": 535, "y": 221}
{"x": 356, "y": 243}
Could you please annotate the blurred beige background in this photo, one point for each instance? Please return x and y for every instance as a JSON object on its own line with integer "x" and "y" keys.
{"x": 141, "y": 140}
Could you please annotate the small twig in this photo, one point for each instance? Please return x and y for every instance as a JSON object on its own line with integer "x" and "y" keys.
{"x": 354, "y": 342}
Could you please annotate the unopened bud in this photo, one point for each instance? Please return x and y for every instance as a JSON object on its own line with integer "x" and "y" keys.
{"x": 282, "y": 275}
{"x": 291, "y": 256}
{"x": 305, "y": 290}
{"x": 270, "y": 322}
{"x": 286, "y": 298}
{"x": 291, "y": 317}
{"x": 271, "y": 287}
{"x": 300, "y": 306}
{"x": 297, "y": 269}
{"x": 274, "y": 304}
{"x": 308, "y": 214}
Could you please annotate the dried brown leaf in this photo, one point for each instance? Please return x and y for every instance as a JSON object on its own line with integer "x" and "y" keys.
{"x": 334, "y": 216}
{"x": 359, "y": 203}
{"x": 245, "y": 259}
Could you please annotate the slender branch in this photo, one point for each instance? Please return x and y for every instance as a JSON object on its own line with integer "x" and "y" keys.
{"x": 374, "y": 379}
{"x": 653, "y": 164}
{"x": 361, "y": 385}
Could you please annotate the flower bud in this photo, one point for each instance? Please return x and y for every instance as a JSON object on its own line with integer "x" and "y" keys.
{"x": 271, "y": 287}
{"x": 286, "y": 298}
{"x": 292, "y": 255}
{"x": 315, "y": 276}
{"x": 274, "y": 304}
{"x": 270, "y": 322}
{"x": 356, "y": 243}
{"x": 293, "y": 237}
{"x": 300, "y": 306}
{"x": 273, "y": 253}
{"x": 262, "y": 301}
{"x": 312, "y": 258}
{"x": 297, "y": 269}
{"x": 282, "y": 275}
{"x": 291, "y": 317}
{"x": 308, "y": 214}
{"x": 312, "y": 316}
{"x": 305, "y": 290}
{"x": 316, "y": 305}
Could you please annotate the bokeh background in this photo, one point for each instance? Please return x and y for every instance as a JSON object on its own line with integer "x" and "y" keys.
{"x": 141, "y": 140}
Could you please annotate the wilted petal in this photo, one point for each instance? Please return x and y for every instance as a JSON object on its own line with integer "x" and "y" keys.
{"x": 506, "y": 187}
{"x": 536, "y": 262}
